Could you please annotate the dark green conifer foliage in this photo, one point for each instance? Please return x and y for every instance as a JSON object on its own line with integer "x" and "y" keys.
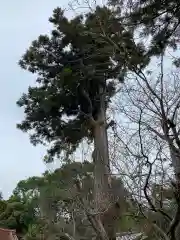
{"x": 71, "y": 64}
{"x": 158, "y": 18}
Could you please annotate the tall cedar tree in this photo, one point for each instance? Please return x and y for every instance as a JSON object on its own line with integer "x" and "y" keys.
{"x": 71, "y": 95}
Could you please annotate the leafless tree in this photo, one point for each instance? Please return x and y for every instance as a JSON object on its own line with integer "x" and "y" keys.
{"x": 147, "y": 131}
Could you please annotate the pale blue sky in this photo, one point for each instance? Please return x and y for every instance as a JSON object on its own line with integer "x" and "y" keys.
{"x": 20, "y": 23}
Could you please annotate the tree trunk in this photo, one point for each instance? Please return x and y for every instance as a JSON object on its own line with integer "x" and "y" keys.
{"x": 175, "y": 157}
{"x": 101, "y": 168}
{"x": 102, "y": 177}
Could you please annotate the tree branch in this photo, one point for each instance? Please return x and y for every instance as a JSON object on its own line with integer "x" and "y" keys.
{"x": 93, "y": 218}
{"x": 153, "y": 208}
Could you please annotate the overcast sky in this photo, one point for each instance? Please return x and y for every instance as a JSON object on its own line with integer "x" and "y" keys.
{"x": 20, "y": 23}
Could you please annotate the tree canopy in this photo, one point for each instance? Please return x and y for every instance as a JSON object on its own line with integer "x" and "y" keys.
{"x": 158, "y": 19}
{"x": 49, "y": 205}
{"x": 71, "y": 64}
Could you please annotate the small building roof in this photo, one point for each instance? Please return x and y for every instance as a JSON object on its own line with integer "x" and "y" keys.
{"x": 8, "y": 234}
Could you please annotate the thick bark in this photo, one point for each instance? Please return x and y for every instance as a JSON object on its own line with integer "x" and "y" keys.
{"x": 175, "y": 157}
{"x": 101, "y": 155}
{"x": 104, "y": 203}
{"x": 101, "y": 162}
